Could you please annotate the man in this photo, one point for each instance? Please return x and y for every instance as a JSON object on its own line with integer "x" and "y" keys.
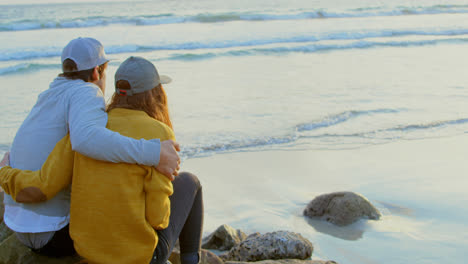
{"x": 74, "y": 103}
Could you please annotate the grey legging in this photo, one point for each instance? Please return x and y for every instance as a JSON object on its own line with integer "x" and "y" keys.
{"x": 185, "y": 222}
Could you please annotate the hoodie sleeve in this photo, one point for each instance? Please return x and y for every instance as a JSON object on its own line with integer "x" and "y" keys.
{"x": 157, "y": 189}
{"x": 87, "y": 121}
{"x": 27, "y": 186}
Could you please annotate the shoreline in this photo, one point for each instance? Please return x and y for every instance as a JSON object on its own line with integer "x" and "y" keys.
{"x": 416, "y": 184}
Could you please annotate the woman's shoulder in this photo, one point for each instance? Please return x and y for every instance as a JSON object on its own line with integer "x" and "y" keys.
{"x": 162, "y": 128}
{"x": 138, "y": 124}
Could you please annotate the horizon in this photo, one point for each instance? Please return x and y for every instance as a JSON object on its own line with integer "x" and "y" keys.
{"x": 45, "y": 2}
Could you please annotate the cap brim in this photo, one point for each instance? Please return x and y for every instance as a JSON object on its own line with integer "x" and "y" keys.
{"x": 164, "y": 79}
{"x": 103, "y": 60}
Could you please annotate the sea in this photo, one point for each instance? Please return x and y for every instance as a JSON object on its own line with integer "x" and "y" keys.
{"x": 292, "y": 76}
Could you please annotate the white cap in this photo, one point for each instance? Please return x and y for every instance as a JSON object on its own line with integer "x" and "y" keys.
{"x": 87, "y": 53}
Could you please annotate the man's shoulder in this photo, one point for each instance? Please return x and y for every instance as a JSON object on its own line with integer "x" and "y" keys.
{"x": 73, "y": 86}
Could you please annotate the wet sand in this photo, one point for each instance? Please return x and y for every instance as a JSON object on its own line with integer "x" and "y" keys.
{"x": 418, "y": 185}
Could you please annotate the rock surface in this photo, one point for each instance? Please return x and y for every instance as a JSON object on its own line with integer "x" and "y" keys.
{"x": 275, "y": 245}
{"x": 285, "y": 261}
{"x": 341, "y": 208}
{"x": 223, "y": 238}
{"x": 2, "y": 207}
{"x": 207, "y": 257}
{"x": 13, "y": 252}
{"x": 5, "y": 232}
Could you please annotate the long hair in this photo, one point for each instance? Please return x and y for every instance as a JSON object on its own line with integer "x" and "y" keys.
{"x": 152, "y": 102}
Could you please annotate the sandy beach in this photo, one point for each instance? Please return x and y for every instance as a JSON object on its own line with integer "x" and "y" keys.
{"x": 418, "y": 185}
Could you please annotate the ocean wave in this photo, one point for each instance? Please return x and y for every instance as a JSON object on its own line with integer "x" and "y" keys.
{"x": 363, "y": 44}
{"x": 310, "y": 48}
{"x": 317, "y": 130}
{"x": 171, "y": 18}
{"x": 237, "y": 145}
{"x": 243, "y": 50}
{"x": 27, "y": 67}
{"x": 302, "y": 131}
{"x": 432, "y": 125}
{"x": 28, "y": 54}
{"x": 85, "y": 22}
{"x": 366, "y": 37}
{"x": 4, "y": 148}
{"x": 392, "y": 133}
{"x": 341, "y": 118}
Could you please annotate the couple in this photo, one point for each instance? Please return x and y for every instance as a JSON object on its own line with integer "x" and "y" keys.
{"x": 124, "y": 208}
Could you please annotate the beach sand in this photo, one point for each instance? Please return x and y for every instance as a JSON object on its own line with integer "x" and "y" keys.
{"x": 418, "y": 185}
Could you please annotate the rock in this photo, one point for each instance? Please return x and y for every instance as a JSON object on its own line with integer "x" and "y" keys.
{"x": 207, "y": 257}
{"x": 285, "y": 261}
{"x": 341, "y": 208}
{"x": 13, "y": 252}
{"x": 5, "y": 232}
{"x": 275, "y": 245}
{"x": 224, "y": 238}
{"x": 2, "y": 206}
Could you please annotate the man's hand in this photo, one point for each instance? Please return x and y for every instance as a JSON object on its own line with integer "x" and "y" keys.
{"x": 6, "y": 160}
{"x": 169, "y": 159}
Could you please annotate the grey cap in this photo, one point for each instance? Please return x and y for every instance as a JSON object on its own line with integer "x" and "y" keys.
{"x": 87, "y": 53}
{"x": 140, "y": 74}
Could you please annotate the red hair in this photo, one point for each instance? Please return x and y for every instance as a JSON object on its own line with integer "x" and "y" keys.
{"x": 152, "y": 102}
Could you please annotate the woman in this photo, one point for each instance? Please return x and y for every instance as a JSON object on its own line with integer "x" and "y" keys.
{"x": 122, "y": 213}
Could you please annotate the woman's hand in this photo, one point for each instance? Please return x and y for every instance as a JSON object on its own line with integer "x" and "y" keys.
{"x": 6, "y": 160}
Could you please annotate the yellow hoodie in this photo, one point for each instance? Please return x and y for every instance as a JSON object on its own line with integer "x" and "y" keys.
{"x": 115, "y": 208}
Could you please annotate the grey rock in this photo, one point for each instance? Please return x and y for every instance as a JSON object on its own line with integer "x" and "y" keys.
{"x": 2, "y": 206}
{"x": 5, "y": 232}
{"x": 341, "y": 208}
{"x": 285, "y": 261}
{"x": 275, "y": 245}
{"x": 206, "y": 257}
{"x": 13, "y": 252}
{"x": 223, "y": 238}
